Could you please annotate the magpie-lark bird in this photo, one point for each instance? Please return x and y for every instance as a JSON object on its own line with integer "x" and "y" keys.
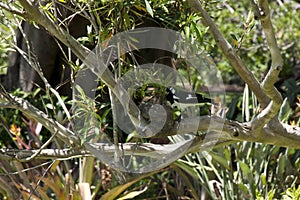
{"x": 183, "y": 97}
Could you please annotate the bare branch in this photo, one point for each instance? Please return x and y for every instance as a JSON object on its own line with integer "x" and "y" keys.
{"x": 230, "y": 54}
{"x": 268, "y": 83}
{"x": 288, "y": 136}
{"x": 60, "y": 154}
{"x": 265, "y": 91}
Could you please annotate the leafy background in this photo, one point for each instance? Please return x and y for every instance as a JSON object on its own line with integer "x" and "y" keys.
{"x": 239, "y": 171}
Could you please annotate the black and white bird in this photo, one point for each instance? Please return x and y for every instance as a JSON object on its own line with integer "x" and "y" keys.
{"x": 153, "y": 95}
{"x": 183, "y": 97}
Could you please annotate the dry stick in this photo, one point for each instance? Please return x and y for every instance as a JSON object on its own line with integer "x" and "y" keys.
{"x": 231, "y": 54}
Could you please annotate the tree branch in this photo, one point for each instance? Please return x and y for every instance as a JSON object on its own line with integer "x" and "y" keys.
{"x": 265, "y": 91}
{"x": 231, "y": 54}
{"x": 263, "y": 14}
{"x": 217, "y": 136}
{"x": 60, "y": 154}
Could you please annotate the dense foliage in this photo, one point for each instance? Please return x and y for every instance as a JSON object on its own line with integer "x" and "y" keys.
{"x": 238, "y": 171}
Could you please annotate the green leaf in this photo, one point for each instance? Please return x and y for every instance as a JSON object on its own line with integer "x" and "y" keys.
{"x": 263, "y": 179}
{"x": 197, "y": 30}
{"x": 187, "y": 32}
{"x": 61, "y": 102}
{"x": 271, "y": 194}
{"x": 281, "y": 165}
{"x": 220, "y": 159}
{"x": 232, "y": 108}
{"x": 148, "y": 8}
{"x": 243, "y": 187}
{"x": 246, "y": 171}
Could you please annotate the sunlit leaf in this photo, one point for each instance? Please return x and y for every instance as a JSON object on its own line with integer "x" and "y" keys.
{"x": 148, "y": 8}
{"x": 285, "y": 111}
{"x": 263, "y": 179}
{"x": 133, "y": 194}
{"x": 245, "y": 106}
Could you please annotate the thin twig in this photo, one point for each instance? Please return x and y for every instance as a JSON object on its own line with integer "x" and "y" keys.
{"x": 39, "y": 150}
